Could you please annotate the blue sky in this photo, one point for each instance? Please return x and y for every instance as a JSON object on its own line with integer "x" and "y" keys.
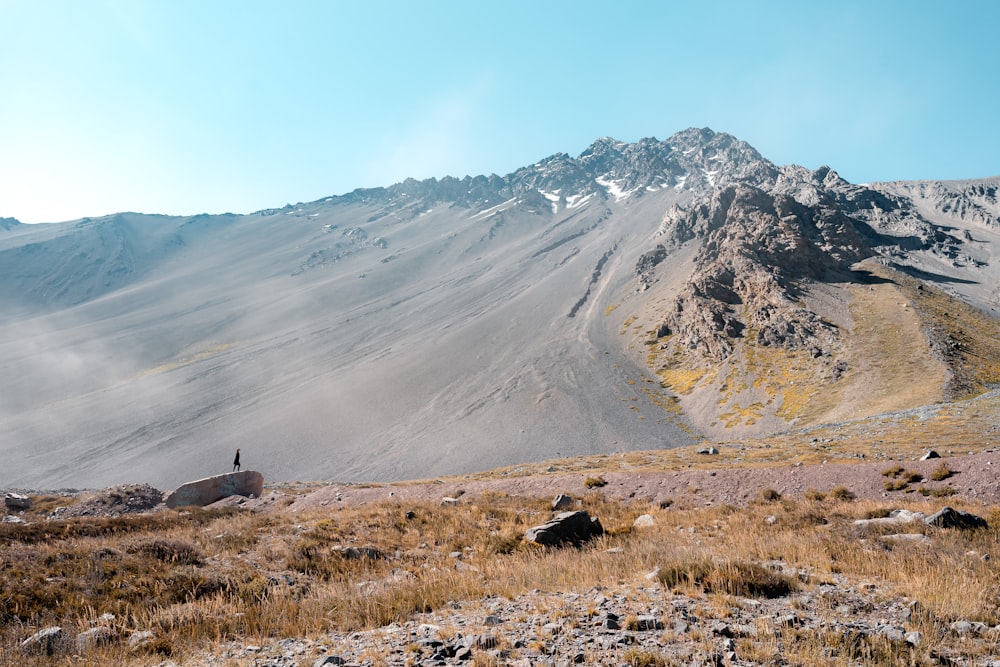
{"x": 184, "y": 107}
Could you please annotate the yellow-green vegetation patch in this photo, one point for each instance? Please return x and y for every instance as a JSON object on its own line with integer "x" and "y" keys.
{"x": 684, "y": 380}
{"x": 742, "y": 416}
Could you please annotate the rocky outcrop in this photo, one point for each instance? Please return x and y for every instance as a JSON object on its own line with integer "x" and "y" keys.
{"x": 757, "y": 250}
{"x": 113, "y": 501}
{"x": 207, "y": 491}
{"x": 565, "y": 528}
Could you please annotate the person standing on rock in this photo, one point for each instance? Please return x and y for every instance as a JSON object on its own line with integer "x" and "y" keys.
{"x": 236, "y": 461}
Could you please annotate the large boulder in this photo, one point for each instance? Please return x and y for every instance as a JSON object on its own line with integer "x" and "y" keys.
{"x": 566, "y": 527}
{"x": 206, "y": 491}
{"x": 16, "y": 501}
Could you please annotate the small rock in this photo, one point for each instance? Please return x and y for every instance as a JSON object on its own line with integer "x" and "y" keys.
{"x": 358, "y": 553}
{"x": 967, "y": 628}
{"x": 562, "y": 502}
{"x": 707, "y": 450}
{"x": 646, "y": 623}
{"x": 48, "y": 641}
{"x": 98, "y": 636}
{"x": 722, "y": 629}
{"x": 788, "y": 621}
{"x": 448, "y": 501}
{"x": 931, "y": 454}
{"x": 892, "y": 633}
{"x": 913, "y": 638}
{"x": 140, "y": 638}
{"x": 329, "y": 660}
{"x": 492, "y": 620}
{"x": 644, "y": 521}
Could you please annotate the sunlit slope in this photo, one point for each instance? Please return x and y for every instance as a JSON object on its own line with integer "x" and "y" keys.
{"x": 903, "y": 344}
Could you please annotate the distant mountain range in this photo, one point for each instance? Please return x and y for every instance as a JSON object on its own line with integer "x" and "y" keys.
{"x": 639, "y": 296}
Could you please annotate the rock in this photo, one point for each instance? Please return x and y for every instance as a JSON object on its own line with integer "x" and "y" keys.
{"x": 892, "y": 632}
{"x": 788, "y": 621}
{"x": 561, "y": 502}
{"x": 16, "y": 501}
{"x": 448, "y": 501}
{"x": 140, "y": 638}
{"x": 967, "y": 628}
{"x": 707, "y": 450}
{"x": 931, "y": 454}
{"x": 644, "y": 521}
{"x": 49, "y": 641}
{"x": 646, "y": 623}
{"x": 211, "y": 489}
{"x": 611, "y": 622}
{"x": 913, "y": 638}
{"x": 896, "y": 518}
{"x": 94, "y": 637}
{"x": 358, "y": 553}
{"x": 492, "y": 620}
{"x": 10, "y": 518}
{"x": 329, "y": 660}
{"x": 572, "y": 527}
{"x": 952, "y": 518}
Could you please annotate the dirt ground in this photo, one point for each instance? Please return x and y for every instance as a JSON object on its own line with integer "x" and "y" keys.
{"x": 974, "y": 479}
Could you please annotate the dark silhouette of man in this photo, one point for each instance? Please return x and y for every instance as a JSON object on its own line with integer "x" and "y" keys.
{"x": 236, "y": 461}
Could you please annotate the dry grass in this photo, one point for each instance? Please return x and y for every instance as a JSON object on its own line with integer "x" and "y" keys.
{"x": 199, "y": 579}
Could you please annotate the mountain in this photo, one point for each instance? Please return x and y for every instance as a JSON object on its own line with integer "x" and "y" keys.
{"x": 639, "y": 296}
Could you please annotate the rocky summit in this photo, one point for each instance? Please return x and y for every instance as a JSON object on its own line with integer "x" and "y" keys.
{"x": 639, "y": 296}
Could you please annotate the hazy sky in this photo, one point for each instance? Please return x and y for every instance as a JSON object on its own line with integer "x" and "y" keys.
{"x": 183, "y": 107}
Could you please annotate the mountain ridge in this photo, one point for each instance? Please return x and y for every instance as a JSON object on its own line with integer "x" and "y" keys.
{"x": 450, "y": 325}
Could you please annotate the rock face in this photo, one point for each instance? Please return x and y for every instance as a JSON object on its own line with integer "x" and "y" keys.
{"x": 565, "y": 528}
{"x": 206, "y": 491}
{"x": 757, "y": 246}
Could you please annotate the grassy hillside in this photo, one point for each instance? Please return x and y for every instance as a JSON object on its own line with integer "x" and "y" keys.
{"x": 203, "y": 581}
{"x": 902, "y": 344}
